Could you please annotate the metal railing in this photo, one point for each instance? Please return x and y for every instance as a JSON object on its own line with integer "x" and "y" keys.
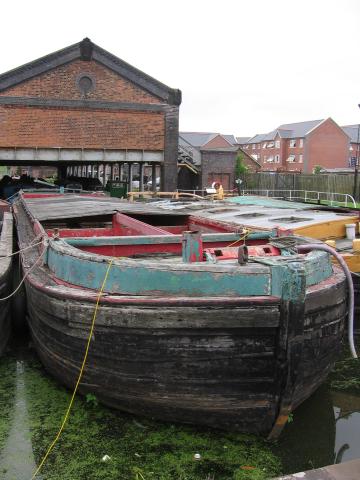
{"x": 331, "y": 198}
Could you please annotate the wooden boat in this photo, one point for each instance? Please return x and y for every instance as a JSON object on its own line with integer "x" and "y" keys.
{"x": 6, "y": 248}
{"x": 183, "y": 334}
{"x": 324, "y": 223}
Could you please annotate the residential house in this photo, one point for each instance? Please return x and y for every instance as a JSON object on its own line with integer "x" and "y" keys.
{"x": 353, "y": 131}
{"x": 299, "y": 147}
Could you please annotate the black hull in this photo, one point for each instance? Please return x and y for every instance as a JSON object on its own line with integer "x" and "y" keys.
{"x": 231, "y": 368}
{"x": 239, "y": 363}
{"x": 6, "y": 234}
{"x": 356, "y": 282}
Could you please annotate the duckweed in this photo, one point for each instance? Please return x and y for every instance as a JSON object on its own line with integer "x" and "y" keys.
{"x": 139, "y": 449}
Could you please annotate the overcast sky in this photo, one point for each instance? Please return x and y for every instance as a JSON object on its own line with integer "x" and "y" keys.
{"x": 243, "y": 67}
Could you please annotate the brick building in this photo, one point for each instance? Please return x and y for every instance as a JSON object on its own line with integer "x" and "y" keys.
{"x": 353, "y": 131}
{"x": 213, "y": 158}
{"x": 299, "y": 147}
{"x": 82, "y": 107}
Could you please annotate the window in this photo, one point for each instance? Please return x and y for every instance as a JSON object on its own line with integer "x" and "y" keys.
{"x": 292, "y": 143}
{"x": 277, "y": 158}
{"x": 277, "y": 144}
{"x": 270, "y": 159}
{"x": 85, "y": 83}
{"x": 291, "y": 158}
{"x": 271, "y": 145}
{"x": 265, "y": 157}
{"x": 301, "y": 142}
{"x": 254, "y": 146}
{"x": 300, "y": 158}
{"x": 351, "y": 148}
{"x": 264, "y": 145}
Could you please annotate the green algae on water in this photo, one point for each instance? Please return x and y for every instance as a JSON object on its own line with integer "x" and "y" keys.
{"x": 7, "y": 394}
{"x": 139, "y": 449}
{"x": 345, "y": 376}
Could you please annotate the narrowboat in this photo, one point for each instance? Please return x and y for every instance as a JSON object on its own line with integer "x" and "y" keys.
{"x": 197, "y": 324}
{"x": 6, "y": 248}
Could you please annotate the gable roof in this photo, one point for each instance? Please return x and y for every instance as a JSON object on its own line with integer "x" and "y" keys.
{"x": 353, "y": 132}
{"x": 230, "y": 138}
{"x": 87, "y": 50}
{"x": 199, "y": 139}
{"x": 241, "y": 140}
{"x": 287, "y": 130}
{"x": 299, "y": 129}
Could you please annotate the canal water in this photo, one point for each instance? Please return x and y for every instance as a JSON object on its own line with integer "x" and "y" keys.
{"x": 98, "y": 443}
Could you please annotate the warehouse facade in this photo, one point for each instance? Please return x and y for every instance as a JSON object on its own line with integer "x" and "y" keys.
{"x": 81, "y": 108}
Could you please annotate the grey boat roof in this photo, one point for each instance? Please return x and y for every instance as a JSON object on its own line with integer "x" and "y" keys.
{"x": 79, "y": 206}
{"x": 255, "y": 212}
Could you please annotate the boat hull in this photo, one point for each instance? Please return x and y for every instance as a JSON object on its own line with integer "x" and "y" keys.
{"x": 6, "y": 244}
{"x": 214, "y": 356}
{"x": 223, "y": 366}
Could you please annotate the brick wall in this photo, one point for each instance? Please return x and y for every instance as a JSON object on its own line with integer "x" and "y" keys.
{"x": 217, "y": 142}
{"x": 50, "y": 127}
{"x": 85, "y": 128}
{"x": 327, "y": 146}
{"x": 218, "y": 166}
{"x": 61, "y": 83}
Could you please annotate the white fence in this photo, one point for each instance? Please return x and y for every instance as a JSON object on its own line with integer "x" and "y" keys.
{"x": 333, "y": 199}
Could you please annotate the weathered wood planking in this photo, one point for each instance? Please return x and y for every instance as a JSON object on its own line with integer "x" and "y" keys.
{"x": 235, "y": 362}
{"x": 6, "y": 248}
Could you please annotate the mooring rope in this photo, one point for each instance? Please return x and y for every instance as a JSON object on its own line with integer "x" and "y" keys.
{"x": 32, "y": 245}
{"x": 80, "y": 374}
{"x": 24, "y": 277}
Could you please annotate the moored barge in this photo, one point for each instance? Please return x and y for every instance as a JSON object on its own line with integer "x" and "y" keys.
{"x": 6, "y": 248}
{"x": 188, "y": 329}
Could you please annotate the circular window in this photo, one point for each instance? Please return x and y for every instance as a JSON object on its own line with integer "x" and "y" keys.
{"x": 86, "y": 83}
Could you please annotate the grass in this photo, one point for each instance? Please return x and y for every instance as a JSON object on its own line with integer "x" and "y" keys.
{"x": 139, "y": 449}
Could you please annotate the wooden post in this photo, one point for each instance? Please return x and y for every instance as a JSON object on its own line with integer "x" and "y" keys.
{"x": 292, "y": 280}
{"x": 192, "y": 247}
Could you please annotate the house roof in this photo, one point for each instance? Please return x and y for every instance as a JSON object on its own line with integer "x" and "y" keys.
{"x": 242, "y": 140}
{"x": 299, "y": 129}
{"x": 230, "y": 138}
{"x": 287, "y": 130}
{"x": 353, "y": 132}
{"x": 87, "y": 50}
{"x": 199, "y": 139}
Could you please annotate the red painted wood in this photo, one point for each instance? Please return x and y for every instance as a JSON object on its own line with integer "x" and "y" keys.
{"x": 207, "y": 225}
{"x": 175, "y": 229}
{"x": 129, "y": 250}
{"x": 266, "y": 250}
{"x": 136, "y": 227}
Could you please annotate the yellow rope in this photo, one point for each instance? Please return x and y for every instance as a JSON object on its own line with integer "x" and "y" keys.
{"x": 247, "y": 233}
{"x": 80, "y": 374}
